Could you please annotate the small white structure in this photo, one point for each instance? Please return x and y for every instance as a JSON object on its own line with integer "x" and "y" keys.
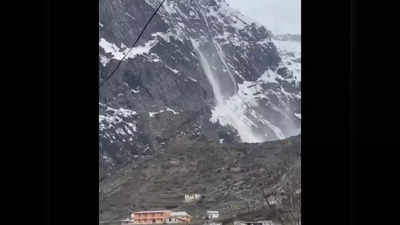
{"x": 192, "y": 197}
{"x": 212, "y": 214}
{"x": 179, "y": 217}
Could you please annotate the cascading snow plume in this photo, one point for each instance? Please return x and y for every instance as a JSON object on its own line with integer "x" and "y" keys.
{"x": 252, "y": 75}
{"x": 232, "y": 110}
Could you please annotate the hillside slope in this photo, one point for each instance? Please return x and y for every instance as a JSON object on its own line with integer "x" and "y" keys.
{"x": 234, "y": 179}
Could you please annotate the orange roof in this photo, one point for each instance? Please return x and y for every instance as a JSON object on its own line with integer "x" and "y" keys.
{"x": 153, "y": 211}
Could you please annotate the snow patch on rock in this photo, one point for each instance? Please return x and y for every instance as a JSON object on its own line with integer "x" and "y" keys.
{"x": 123, "y": 52}
{"x": 166, "y": 109}
{"x": 121, "y": 120}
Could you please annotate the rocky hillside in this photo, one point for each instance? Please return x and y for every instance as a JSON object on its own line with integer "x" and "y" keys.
{"x": 202, "y": 70}
{"x": 239, "y": 180}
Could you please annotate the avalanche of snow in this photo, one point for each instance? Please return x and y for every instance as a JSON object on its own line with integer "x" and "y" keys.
{"x": 221, "y": 55}
{"x": 234, "y": 110}
{"x": 237, "y": 110}
{"x": 277, "y": 131}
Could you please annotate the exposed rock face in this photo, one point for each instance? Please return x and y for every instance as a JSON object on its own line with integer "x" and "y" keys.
{"x": 201, "y": 71}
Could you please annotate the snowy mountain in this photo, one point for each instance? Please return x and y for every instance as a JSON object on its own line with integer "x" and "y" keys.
{"x": 202, "y": 70}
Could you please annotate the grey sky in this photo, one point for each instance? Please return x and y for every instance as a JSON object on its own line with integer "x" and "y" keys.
{"x": 279, "y": 16}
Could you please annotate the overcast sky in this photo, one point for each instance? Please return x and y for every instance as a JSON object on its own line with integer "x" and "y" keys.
{"x": 278, "y": 16}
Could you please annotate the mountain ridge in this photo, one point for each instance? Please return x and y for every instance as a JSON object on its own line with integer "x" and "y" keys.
{"x": 161, "y": 90}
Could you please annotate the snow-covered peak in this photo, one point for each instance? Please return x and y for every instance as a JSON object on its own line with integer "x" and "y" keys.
{"x": 289, "y": 47}
{"x": 201, "y": 68}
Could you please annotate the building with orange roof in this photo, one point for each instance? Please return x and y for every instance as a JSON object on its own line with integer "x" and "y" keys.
{"x": 160, "y": 217}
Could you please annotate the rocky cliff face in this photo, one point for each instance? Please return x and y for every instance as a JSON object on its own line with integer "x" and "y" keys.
{"x": 202, "y": 71}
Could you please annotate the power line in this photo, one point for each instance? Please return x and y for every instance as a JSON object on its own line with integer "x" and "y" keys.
{"x": 134, "y": 44}
{"x": 102, "y": 169}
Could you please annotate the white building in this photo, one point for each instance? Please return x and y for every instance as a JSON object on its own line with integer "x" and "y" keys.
{"x": 192, "y": 197}
{"x": 212, "y": 214}
{"x": 179, "y": 217}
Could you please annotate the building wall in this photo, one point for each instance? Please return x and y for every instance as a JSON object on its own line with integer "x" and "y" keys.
{"x": 158, "y": 217}
{"x": 150, "y": 217}
{"x": 171, "y": 220}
